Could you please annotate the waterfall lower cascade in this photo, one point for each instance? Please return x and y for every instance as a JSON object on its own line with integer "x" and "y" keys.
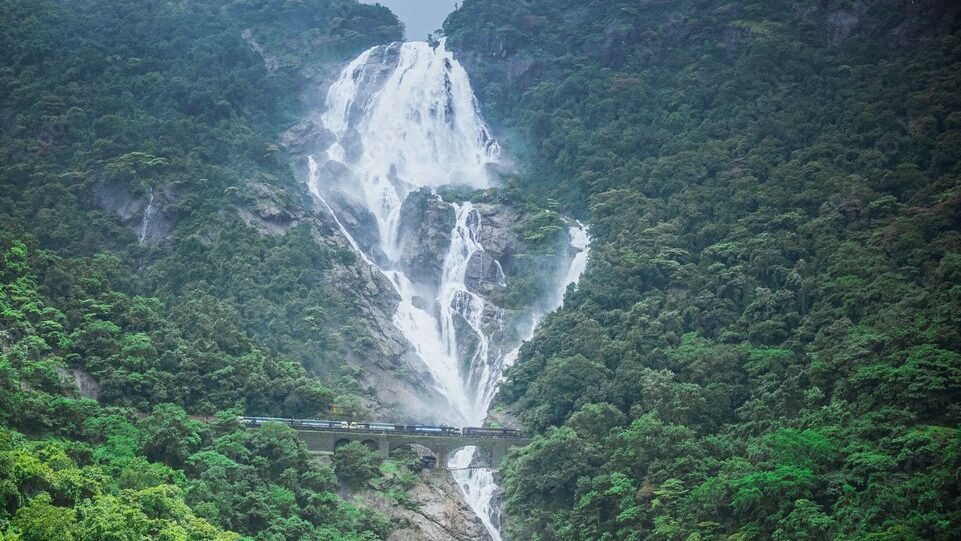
{"x": 145, "y": 220}
{"x": 403, "y": 119}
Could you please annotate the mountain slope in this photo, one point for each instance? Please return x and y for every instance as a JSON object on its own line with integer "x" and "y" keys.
{"x": 766, "y": 343}
{"x": 158, "y": 258}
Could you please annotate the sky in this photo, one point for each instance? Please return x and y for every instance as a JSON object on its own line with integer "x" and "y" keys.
{"x": 419, "y": 16}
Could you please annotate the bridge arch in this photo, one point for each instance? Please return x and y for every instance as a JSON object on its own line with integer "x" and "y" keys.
{"x": 429, "y": 458}
{"x": 397, "y": 443}
{"x": 491, "y": 449}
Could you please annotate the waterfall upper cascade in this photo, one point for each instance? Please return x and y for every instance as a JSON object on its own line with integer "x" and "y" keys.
{"x": 403, "y": 118}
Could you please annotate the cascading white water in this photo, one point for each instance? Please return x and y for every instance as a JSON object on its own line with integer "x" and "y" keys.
{"x": 145, "y": 221}
{"x": 410, "y": 109}
{"x": 403, "y": 117}
{"x": 478, "y": 483}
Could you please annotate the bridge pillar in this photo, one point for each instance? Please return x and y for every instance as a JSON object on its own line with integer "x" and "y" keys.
{"x": 485, "y": 453}
{"x": 383, "y": 443}
{"x": 441, "y": 453}
{"x": 322, "y": 442}
{"x": 498, "y": 452}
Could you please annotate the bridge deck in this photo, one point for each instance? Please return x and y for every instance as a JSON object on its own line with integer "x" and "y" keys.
{"x": 492, "y": 447}
{"x": 399, "y": 433}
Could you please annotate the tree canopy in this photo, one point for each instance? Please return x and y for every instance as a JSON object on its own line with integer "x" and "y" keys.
{"x": 766, "y": 342}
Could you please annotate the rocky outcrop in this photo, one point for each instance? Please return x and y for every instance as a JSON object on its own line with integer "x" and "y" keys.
{"x": 424, "y": 236}
{"x": 148, "y": 214}
{"x": 361, "y": 224}
{"x": 434, "y": 510}
{"x": 81, "y": 380}
{"x": 486, "y": 270}
{"x": 268, "y": 209}
{"x": 307, "y": 137}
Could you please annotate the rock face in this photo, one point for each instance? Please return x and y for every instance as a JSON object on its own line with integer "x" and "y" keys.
{"x": 148, "y": 215}
{"x": 486, "y": 270}
{"x": 270, "y": 211}
{"x": 436, "y": 512}
{"x": 424, "y": 236}
{"x": 307, "y": 137}
{"x": 86, "y": 386}
{"x": 403, "y": 388}
{"x": 400, "y": 385}
{"x": 361, "y": 224}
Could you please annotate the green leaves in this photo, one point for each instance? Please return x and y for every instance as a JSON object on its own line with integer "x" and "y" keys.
{"x": 169, "y": 436}
{"x": 39, "y": 520}
{"x": 355, "y": 464}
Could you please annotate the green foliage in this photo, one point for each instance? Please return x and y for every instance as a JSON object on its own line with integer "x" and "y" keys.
{"x": 771, "y": 308}
{"x": 104, "y": 104}
{"x": 138, "y": 354}
{"x": 168, "y": 435}
{"x": 109, "y": 102}
{"x": 355, "y": 464}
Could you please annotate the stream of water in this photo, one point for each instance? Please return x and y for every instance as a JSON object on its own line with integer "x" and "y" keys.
{"x": 145, "y": 220}
{"x": 404, "y": 117}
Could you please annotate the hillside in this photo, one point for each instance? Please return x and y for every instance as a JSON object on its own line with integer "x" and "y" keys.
{"x": 140, "y": 161}
{"x": 766, "y": 342}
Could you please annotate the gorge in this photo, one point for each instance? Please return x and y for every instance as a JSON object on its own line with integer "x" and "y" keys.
{"x": 404, "y": 121}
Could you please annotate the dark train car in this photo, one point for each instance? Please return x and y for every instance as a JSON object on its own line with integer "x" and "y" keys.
{"x": 319, "y": 424}
{"x": 477, "y": 431}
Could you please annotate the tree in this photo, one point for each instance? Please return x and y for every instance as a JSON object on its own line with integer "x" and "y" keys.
{"x": 355, "y": 464}
{"x": 806, "y": 522}
{"x": 39, "y": 520}
{"x": 168, "y": 435}
{"x": 107, "y": 518}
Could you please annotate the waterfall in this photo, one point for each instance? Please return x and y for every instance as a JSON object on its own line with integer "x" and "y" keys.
{"x": 478, "y": 483}
{"x": 145, "y": 221}
{"x": 403, "y": 117}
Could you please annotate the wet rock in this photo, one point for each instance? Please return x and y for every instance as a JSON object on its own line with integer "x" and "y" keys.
{"x": 424, "y": 236}
{"x": 497, "y": 234}
{"x": 484, "y": 274}
{"x": 155, "y": 226}
{"x": 435, "y": 511}
{"x": 308, "y": 137}
{"x": 359, "y": 222}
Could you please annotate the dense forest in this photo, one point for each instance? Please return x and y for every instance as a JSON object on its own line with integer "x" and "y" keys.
{"x": 767, "y": 343}
{"x": 168, "y": 341}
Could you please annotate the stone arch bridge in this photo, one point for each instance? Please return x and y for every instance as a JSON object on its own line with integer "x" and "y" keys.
{"x": 491, "y": 449}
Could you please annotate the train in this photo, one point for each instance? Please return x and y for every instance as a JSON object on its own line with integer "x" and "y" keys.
{"x": 432, "y": 430}
{"x": 307, "y": 424}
